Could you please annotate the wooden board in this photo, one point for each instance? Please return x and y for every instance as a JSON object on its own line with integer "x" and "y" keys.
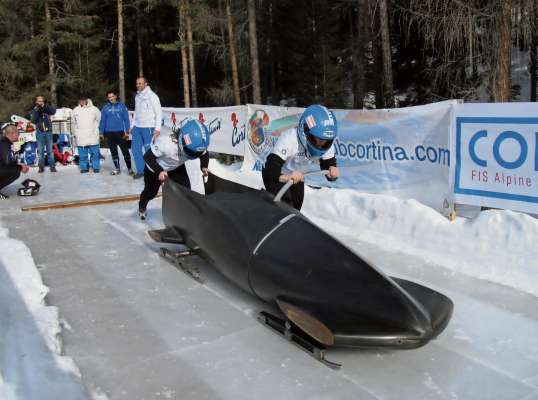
{"x": 83, "y": 202}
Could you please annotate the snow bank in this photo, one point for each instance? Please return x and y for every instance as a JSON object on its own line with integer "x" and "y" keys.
{"x": 498, "y": 246}
{"x": 31, "y": 366}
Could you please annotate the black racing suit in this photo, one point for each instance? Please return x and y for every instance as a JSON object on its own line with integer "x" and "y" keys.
{"x": 10, "y": 170}
{"x": 151, "y": 178}
{"x": 295, "y": 195}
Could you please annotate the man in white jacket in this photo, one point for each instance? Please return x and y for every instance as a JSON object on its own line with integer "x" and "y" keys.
{"x": 85, "y": 126}
{"x": 146, "y": 123}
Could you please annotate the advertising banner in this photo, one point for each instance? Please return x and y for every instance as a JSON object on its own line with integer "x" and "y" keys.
{"x": 264, "y": 126}
{"x": 496, "y": 155}
{"x": 404, "y": 152}
{"x": 226, "y": 125}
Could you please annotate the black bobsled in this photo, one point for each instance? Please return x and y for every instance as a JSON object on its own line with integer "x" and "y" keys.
{"x": 273, "y": 251}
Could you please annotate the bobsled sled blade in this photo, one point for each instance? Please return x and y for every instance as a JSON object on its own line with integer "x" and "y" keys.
{"x": 166, "y": 235}
{"x": 310, "y": 325}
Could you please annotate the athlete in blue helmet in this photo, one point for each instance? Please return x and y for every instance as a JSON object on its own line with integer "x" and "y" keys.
{"x": 166, "y": 159}
{"x": 312, "y": 139}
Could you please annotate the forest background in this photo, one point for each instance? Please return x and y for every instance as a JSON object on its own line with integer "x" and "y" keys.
{"x": 203, "y": 53}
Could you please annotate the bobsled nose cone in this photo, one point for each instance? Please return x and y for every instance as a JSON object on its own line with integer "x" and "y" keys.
{"x": 431, "y": 310}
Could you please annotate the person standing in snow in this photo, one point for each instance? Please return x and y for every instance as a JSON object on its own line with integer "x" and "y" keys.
{"x": 114, "y": 126}
{"x": 10, "y": 169}
{"x": 147, "y": 123}
{"x": 85, "y": 121}
{"x": 41, "y": 117}
{"x": 167, "y": 156}
{"x": 313, "y": 140}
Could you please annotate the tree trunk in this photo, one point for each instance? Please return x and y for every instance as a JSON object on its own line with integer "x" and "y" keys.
{"x": 533, "y": 68}
{"x": 139, "y": 43}
{"x": 192, "y": 70}
{"x": 388, "y": 90}
{"x": 184, "y": 58}
{"x": 50, "y": 48}
{"x": 121, "y": 59}
{"x": 254, "y": 61}
{"x": 34, "y": 69}
{"x": 224, "y": 45}
{"x": 504, "y": 53}
{"x": 359, "y": 54}
{"x": 233, "y": 59}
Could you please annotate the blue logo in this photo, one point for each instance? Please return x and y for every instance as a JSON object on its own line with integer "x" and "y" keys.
{"x": 497, "y": 157}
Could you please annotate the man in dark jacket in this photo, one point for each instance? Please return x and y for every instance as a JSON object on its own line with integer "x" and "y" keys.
{"x": 10, "y": 169}
{"x": 40, "y": 116}
{"x": 115, "y": 126}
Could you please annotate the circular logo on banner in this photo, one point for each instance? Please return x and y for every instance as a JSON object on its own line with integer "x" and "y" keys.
{"x": 257, "y": 133}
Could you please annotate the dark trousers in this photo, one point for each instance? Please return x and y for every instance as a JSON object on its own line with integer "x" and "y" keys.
{"x": 9, "y": 175}
{"x": 115, "y": 139}
{"x": 152, "y": 184}
{"x": 294, "y": 196}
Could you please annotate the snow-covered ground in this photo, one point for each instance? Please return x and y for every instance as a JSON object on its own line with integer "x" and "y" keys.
{"x": 30, "y": 347}
{"x": 139, "y": 329}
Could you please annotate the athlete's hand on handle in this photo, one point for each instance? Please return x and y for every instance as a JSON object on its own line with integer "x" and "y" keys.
{"x": 162, "y": 176}
{"x": 295, "y": 176}
{"x": 334, "y": 172}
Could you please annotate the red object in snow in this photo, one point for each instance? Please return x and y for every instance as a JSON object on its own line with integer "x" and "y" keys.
{"x": 62, "y": 158}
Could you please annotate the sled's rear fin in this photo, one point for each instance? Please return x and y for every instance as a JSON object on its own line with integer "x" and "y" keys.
{"x": 166, "y": 235}
{"x": 310, "y": 325}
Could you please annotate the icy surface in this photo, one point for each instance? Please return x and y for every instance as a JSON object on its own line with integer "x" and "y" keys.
{"x": 139, "y": 329}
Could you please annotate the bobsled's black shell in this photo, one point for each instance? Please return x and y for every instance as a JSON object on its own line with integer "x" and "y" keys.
{"x": 277, "y": 254}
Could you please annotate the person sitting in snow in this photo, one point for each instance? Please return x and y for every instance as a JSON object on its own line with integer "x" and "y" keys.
{"x": 10, "y": 169}
{"x": 166, "y": 158}
{"x": 86, "y": 119}
{"x": 313, "y": 140}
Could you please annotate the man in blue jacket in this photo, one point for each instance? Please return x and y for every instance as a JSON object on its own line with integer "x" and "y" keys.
{"x": 40, "y": 117}
{"x": 115, "y": 126}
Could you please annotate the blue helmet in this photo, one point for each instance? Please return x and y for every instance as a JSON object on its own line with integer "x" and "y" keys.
{"x": 317, "y": 123}
{"x": 193, "y": 139}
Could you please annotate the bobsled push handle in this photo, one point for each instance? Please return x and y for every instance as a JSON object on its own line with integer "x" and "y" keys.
{"x": 289, "y": 182}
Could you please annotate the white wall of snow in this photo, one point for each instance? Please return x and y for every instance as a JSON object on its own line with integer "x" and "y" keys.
{"x": 498, "y": 246}
{"x": 31, "y": 365}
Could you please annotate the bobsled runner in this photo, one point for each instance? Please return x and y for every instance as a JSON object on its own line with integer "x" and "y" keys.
{"x": 326, "y": 292}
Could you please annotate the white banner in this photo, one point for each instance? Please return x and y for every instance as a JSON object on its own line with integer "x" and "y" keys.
{"x": 496, "y": 155}
{"x": 403, "y": 152}
{"x": 226, "y": 125}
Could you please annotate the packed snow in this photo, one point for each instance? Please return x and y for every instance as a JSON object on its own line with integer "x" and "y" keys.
{"x": 31, "y": 361}
{"x": 496, "y": 246}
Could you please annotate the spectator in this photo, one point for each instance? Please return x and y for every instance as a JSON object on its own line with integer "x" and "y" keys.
{"x": 115, "y": 127}
{"x": 86, "y": 132}
{"x": 10, "y": 169}
{"x": 147, "y": 122}
{"x": 40, "y": 116}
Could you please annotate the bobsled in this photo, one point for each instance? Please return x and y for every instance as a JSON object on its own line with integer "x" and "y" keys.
{"x": 324, "y": 289}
